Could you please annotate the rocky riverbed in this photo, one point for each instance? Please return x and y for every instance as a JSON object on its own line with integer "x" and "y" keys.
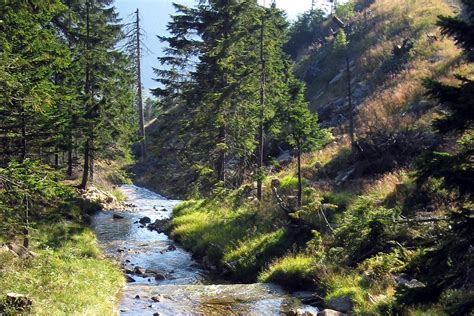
{"x": 163, "y": 279}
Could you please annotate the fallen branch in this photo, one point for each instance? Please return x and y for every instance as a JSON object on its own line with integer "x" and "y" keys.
{"x": 280, "y": 202}
{"x": 422, "y": 220}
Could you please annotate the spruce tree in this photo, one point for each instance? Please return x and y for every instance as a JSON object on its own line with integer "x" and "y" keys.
{"x": 445, "y": 264}
{"x": 301, "y": 128}
{"x": 31, "y": 57}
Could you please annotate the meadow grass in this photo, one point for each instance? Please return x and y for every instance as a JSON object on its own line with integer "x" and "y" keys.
{"x": 69, "y": 276}
{"x": 295, "y": 271}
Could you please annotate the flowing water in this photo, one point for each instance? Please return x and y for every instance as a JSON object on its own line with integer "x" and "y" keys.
{"x": 173, "y": 283}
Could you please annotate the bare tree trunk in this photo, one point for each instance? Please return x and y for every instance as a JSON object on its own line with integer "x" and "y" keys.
{"x": 69, "y": 161}
{"x": 300, "y": 182}
{"x": 87, "y": 145}
{"x": 85, "y": 172}
{"x": 139, "y": 91}
{"x": 261, "y": 135}
{"x": 91, "y": 159}
{"x": 349, "y": 97}
{"x": 56, "y": 160}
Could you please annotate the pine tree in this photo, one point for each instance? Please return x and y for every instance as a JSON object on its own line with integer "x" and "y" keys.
{"x": 99, "y": 31}
{"x": 301, "y": 128}
{"x": 445, "y": 264}
{"x": 31, "y": 56}
{"x": 456, "y": 115}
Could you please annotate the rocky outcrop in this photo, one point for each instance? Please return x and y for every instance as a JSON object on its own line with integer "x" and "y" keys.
{"x": 106, "y": 200}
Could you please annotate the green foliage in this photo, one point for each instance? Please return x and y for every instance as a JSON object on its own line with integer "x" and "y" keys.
{"x": 313, "y": 211}
{"x": 68, "y": 255}
{"x": 289, "y": 183}
{"x": 250, "y": 255}
{"x": 63, "y": 82}
{"x": 442, "y": 266}
{"x": 304, "y": 31}
{"x": 365, "y": 227}
{"x": 340, "y": 42}
{"x": 345, "y": 11}
{"x": 223, "y": 88}
{"x": 28, "y": 189}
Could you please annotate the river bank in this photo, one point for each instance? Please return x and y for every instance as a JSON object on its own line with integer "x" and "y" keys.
{"x": 163, "y": 277}
{"x": 62, "y": 272}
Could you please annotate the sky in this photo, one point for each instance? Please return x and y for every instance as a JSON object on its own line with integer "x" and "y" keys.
{"x": 154, "y": 15}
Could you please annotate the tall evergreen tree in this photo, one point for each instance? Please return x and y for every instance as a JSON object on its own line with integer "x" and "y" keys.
{"x": 301, "y": 128}
{"x": 31, "y": 56}
{"x": 445, "y": 264}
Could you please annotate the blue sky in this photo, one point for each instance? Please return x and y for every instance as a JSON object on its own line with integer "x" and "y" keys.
{"x": 155, "y": 15}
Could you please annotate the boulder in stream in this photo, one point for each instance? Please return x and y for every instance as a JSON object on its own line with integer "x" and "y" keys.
{"x": 160, "y": 277}
{"x": 160, "y": 225}
{"x": 116, "y": 216}
{"x": 145, "y": 220}
{"x": 138, "y": 270}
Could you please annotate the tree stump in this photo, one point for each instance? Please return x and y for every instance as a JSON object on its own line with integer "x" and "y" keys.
{"x": 18, "y": 302}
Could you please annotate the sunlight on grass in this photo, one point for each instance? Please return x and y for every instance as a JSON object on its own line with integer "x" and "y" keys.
{"x": 293, "y": 271}
{"x": 67, "y": 277}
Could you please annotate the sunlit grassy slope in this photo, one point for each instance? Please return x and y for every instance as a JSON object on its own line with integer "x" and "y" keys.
{"x": 360, "y": 235}
{"x": 69, "y": 275}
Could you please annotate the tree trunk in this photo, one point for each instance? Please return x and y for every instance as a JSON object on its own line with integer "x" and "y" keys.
{"x": 349, "y": 97}
{"x": 87, "y": 84}
{"x": 300, "y": 182}
{"x": 262, "y": 112}
{"x": 139, "y": 92}
{"x": 85, "y": 172}
{"x": 221, "y": 159}
{"x": 69, "y": 162}
{"x": 91, "y": 159}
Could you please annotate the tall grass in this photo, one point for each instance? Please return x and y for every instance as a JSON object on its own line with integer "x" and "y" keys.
{"x": 67, "y": 277}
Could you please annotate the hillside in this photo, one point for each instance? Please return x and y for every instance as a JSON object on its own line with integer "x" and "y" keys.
{"x": 387, "y": 90}
{"x": 370, "y": 237}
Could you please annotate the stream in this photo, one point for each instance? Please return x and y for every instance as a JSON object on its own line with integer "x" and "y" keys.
{"x": 164, "y": 279}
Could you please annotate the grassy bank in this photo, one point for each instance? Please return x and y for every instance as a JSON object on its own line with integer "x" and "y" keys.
{"x": 63, "y": 271}
{"x": 349, "y": 241}
{"x": 68, "y": 275}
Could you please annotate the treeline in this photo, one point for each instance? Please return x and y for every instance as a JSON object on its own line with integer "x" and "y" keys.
{"x": 225, "y": 67}
{"x": 66, "y": 89}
